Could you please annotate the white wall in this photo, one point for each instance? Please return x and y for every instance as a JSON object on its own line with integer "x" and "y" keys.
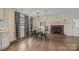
{"x": 68, "y": 28}
{"x": 76, "y": 27}
{"x": 71, "y": 29}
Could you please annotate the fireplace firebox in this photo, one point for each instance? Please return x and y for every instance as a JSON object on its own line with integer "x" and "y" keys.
{"x": 57, "y": 29}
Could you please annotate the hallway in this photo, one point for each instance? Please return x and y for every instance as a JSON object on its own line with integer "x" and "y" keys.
{"x": 58, "y": 43}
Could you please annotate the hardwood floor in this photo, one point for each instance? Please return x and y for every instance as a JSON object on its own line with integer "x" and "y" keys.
{"x": 53, "y": 43}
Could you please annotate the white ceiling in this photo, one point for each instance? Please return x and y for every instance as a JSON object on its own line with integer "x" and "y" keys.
{"x": 49, "y": 11}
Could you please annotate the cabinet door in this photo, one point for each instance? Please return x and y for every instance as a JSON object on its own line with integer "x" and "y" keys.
{"x": 5, "y": 40}
{"x": 26, "y": 25}
{"x": 0, "y": 41}
{"x": 22, "y": 23}
{"x": 1, "y": 13}
{"x": 21, "y": 32}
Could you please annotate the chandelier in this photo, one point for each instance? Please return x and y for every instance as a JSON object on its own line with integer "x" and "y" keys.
{"x": 38, "y": 12}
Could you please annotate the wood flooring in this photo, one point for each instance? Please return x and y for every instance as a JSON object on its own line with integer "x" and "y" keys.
{"x": 52, "y": 43}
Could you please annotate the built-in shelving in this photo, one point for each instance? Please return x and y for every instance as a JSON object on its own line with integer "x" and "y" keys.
{"x": 17, "y": 24}
{"x": 23, "y": 25}
{"x": 26, "y": 25}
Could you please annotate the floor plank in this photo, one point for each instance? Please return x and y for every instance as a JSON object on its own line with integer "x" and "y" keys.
{"x": 53, "y": 43}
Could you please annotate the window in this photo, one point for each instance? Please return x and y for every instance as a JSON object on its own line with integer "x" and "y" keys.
{"x": 41, "y": 23}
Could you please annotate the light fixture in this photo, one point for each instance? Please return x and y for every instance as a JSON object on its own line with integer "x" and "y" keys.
{"x": 38, "y": 12}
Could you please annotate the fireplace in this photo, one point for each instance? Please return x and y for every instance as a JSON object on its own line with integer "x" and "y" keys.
{"x": 57, "y": 29}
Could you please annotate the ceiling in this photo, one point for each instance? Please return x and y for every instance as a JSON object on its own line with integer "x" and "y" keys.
{"x": 48, "y": 11}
